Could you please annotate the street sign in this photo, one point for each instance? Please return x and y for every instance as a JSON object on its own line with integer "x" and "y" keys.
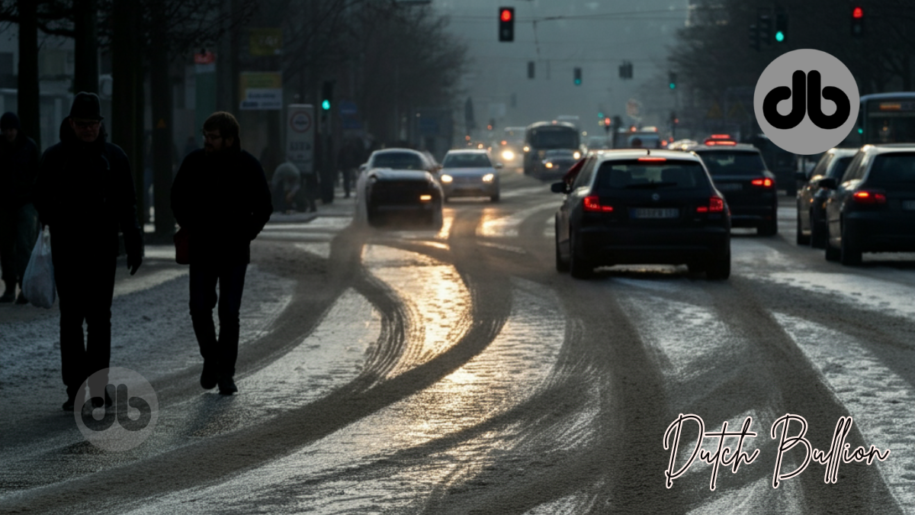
{"x": 264, "y": 42}
{"x": 300, "y": 136}
{"x": 261, "y": 91}
{"x": 714, "y": 111}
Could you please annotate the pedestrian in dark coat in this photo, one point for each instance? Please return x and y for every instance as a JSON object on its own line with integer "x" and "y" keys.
{"x": 221, "y": 197}
{"x": 18, "y": 219}
{"x": 85, "y": 195}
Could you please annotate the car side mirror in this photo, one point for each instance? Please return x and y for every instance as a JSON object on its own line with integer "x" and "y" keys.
{"x": 829, "y": 183}
{"x": 558, "y": 187}
{"x": 500, "y": 165}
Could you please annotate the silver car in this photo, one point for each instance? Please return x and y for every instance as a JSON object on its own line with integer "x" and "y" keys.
{"x": 469, "y": 173}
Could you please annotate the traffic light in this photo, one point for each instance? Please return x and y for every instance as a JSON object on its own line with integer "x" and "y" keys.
{"x": 600, "y": 115}
{"x": 626, "y": 70}
{"x": 607, "y": 123}
{"x": 672, "y": 79}
{"x": 530, "y": 69}
{"x": 327, "y": 95}
{"x": 506, "y": 24}
{"x": 781, "y": 26}
{"x": 857, "y": 22}
{"x": 578, "y": 76}
{"x": 754, "y": 37}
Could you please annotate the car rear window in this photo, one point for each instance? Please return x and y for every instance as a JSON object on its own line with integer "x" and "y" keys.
{"x": 892, "y": 169}
{"x": 838, "y": 166}
{"x": 732, "y": 163}
{"x": 668, "y": 175}
{"x": 398, "y": 161}
{"x": 466, "y": 161}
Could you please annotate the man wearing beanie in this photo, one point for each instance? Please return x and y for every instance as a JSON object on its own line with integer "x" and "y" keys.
{"x": 221, "y": 198}
{"x": 85, "y": 195}
{"x": 18, "y": 220}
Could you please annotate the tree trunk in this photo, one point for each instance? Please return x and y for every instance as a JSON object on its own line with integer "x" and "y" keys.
{"x": 124, "y": 66}
{"x": 162, "y": 145}
{"x": 28, "y": 99}
{"x": 85, "y": 70}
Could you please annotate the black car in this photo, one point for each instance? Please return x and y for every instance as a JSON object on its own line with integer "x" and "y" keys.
{"x": 811, "y": 198}
{"x": 741, "y": 175}
{"x": 556, "y": 163}
{"x": 872, "y": 208}
{"x": 397, "y": 186}
{"x": 638, "y": 206}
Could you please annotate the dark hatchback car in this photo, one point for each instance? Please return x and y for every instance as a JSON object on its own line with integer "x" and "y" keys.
{"x": 811, "y": 198}
{"x": 741, "y": 175}
{"x": 632, "y": 206}
{"x": 872, "y": 208}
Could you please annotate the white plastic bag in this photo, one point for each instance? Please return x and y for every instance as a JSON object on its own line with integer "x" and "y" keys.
{"x": 38, "y": 282}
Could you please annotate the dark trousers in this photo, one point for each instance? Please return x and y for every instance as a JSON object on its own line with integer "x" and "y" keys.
{"x": 18, "y": 232}
{"x": 85, "y": 288}
{"x": 222, "y": 351}
{"x": 347, "y": 180}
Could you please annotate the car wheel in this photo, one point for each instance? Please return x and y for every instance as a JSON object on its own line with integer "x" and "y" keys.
{"x": 494, "y": 198}
{"x": 849, "y": 251}
{"x": 832, "y": 253}
{"x": 719, "y": 269}
{"x": 768, "y": 228}
{"x": 801, "y": 238}
{"x": 562, "y": 265}
{"x": 817, "y": 234}
{"x": 578, "y": 266}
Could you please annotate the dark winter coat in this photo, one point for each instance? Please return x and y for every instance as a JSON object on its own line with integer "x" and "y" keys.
{"x": 223, "y": 201}
{"x": 85, "y": 194}
{"x": 18, "y": 171}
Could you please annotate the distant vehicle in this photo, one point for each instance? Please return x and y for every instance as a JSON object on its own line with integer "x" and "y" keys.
{"x": 638, "y": 139}
{"x": 543, "y": 136}
{"x": 555, "y": 164}
{"x": 741, "y": 175}
{"x": 570, "y": 119}
{"x": 627, "y": 206}
{"x": 469, "y": 173}
{"x": 397, "y": 185}
{"x": 510, "y": 150}
{"x": 811, "y": 198}
{"x": 872, "y": 207}
{"x": 884, "y": 118}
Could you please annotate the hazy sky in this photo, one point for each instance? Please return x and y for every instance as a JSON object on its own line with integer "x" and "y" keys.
{"x": 596, "y": 35}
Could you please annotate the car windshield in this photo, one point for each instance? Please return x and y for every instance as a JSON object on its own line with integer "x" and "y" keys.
{"x": 554, "y": 138}
{"x": 398, "y": 161}
{"x": 466, "y": 161}
{"x": 732, "y": 163}
{"x": 673, "y": 175}
{"x": 838, "y": 166}
{"x": 893, "y": 169}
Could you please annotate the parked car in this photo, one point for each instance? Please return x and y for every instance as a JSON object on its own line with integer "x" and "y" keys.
{"x": 638, "y": 206}
{"x": 469, "y": 173}
{"x": 872, "y": 208}
{"x": 811, "y": 197}
{"x": 398, "y": 186}
{"x": 749, "y": 187}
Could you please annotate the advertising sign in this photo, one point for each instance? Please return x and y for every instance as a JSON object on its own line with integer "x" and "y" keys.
{"x": 300, "y": 136}
{"x": 261, "y": 91}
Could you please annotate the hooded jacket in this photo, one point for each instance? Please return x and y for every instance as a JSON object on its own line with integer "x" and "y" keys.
{"x": 223, "y": 201}
{"x": 85, "y": 194}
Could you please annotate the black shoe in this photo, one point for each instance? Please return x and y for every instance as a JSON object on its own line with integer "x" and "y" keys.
{"x": 227, "y": 386}
{"x": 21, "y": 299}
{"x": 208, "y": 377}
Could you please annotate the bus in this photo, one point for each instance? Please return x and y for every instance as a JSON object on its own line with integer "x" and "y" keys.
{"x": 542, "y": 136}
{"x": 884, "y": 118}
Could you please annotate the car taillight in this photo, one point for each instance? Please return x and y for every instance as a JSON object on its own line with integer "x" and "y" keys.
{"x": 715, "y": 205}
{"x": 764, "y": 183}
{"x": 592, "y": 204}
{"x": 869, "y": 197}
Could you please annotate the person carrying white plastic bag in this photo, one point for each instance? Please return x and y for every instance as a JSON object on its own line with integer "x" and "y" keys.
{"x": 38, "y": 281}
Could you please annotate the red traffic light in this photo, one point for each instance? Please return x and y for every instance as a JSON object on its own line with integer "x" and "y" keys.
{"x": 857, "y": 13}
{"x": 506, "y": 15}
{"x": 607, "y": 121}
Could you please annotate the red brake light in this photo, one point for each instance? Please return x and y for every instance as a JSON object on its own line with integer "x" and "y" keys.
{"x": 715, "y": 205}
{"x": 869, "y": 197}
{"x": 653, "y": 159}
{"x": 720, "y": 136}
{"x": 592, "y": 204}
{"x": 719, "y": 142}
{"x": 765, "y": 183}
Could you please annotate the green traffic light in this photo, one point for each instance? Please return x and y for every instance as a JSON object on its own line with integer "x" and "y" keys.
{"x": 779, "y": 36}
{"x": 673, "y": 86}
{"x": 600, "y": 115}
{"x": 860, "y": 130}
{"x": 578, "y": 82}
{"x": 325, "y": 105}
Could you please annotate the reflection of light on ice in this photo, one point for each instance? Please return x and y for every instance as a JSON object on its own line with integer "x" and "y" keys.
{"x": 505, "y": 226}
{"x": 890, "y": 294}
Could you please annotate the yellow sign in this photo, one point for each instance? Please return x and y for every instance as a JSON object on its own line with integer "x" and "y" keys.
{"x": 265, "y": 42}
{"x": 714, "y": 112}
{"x": 737, "y": 111}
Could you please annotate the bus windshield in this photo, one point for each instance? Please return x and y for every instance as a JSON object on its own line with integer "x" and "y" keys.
{"x": 889, "y": 120}
{"x": 554, "y": 137}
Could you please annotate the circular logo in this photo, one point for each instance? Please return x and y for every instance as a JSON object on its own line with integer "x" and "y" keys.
{"x": 300, "y": 121}
{"x": 127, "y": 418}
{"x": 806, "y": 101}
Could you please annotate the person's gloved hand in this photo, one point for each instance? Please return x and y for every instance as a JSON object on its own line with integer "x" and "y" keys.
{"x": 133, "y": 262}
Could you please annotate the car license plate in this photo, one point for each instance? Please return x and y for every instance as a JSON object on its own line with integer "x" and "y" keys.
{"x": 654, "y": 212}
{"x": 908, "y": 205}
{"x": 730, "y": 186}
